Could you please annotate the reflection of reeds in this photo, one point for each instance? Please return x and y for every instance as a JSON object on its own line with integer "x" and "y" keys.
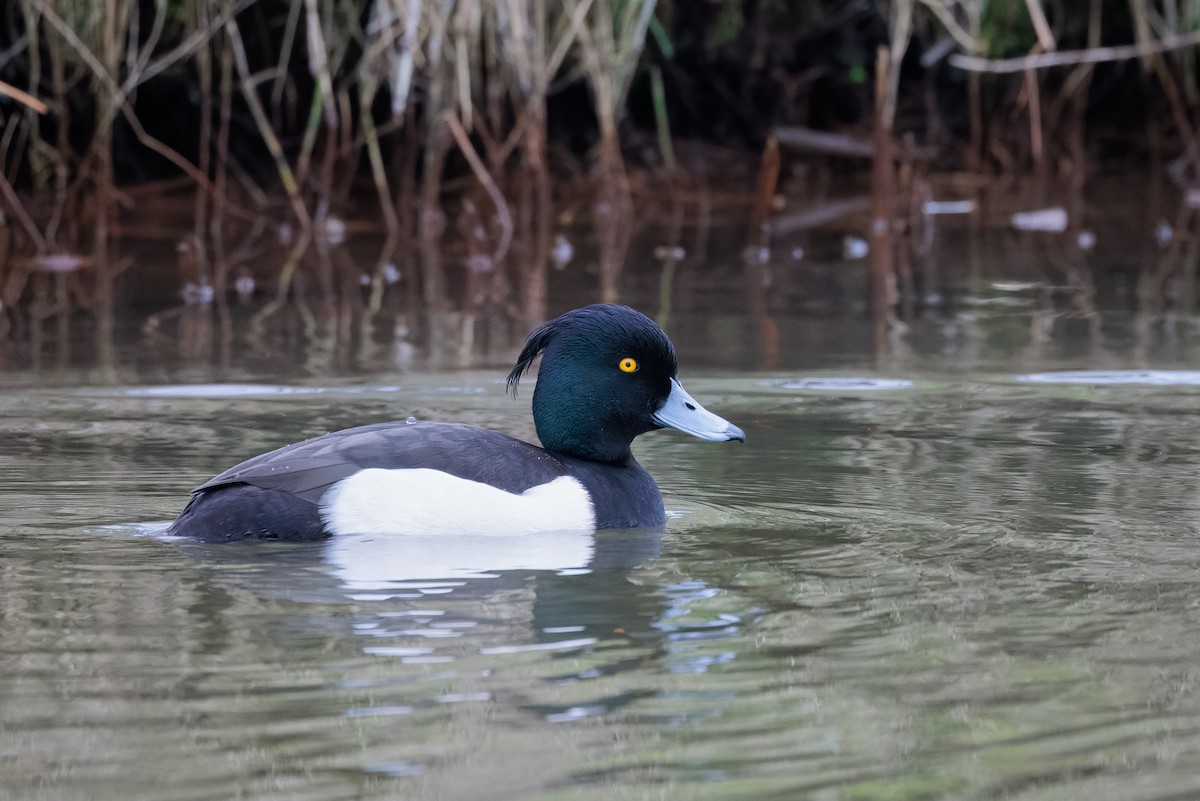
{"x": 298, "y": 100}
{"x": 325, "y": 87}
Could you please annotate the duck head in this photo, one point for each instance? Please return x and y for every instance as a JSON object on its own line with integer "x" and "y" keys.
{"x": 608, "y": 374}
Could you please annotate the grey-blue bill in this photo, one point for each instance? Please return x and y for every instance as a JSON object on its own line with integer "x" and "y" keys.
{"x": 681, "y": 412}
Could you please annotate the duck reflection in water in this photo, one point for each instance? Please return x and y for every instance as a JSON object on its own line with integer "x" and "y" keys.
{"x": 542, "y": 588}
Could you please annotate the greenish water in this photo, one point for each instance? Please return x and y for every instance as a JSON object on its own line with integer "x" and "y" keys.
{"x": 907, "y": 584}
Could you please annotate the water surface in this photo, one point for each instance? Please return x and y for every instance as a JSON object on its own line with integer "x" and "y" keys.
{"x": 961, "y": 566}
{"x": 938, "y": 586}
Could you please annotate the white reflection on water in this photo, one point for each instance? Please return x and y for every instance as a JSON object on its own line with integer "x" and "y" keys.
{"x": 1138, "y": 377}
{"x": 373, "y": 562}
{"x": 246, "y": 390}
{"x": 840, "y": 384}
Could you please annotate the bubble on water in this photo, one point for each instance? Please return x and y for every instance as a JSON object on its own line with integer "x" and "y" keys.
{"x": 411, "y": 420}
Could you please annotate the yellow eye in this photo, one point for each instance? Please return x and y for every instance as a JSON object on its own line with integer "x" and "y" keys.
{"x": 628, "y": 365}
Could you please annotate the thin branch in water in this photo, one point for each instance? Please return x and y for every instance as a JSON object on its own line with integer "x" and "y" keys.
{"x": 18, "y": 210}
{"x": 138, "y": 64}
{"x": 967, "y": 39}
{"x": 193, "y": 42}
{"x": 286, "y": 177}
{"x": 81, "y": 49}
{"x": 285, "y": 52}
{"x": 578, "y": 16}
{"x": 24, "y": 98}
{"x": 1038, "y": 17}
{"x": 1062, "y": 58}
{"x": 176, "y": 158}
{"x": 368, "y": 87}
{"x": 489, "y": 185}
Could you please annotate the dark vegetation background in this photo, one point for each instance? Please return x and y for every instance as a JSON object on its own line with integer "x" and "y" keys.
{"x": 461, "y": 147}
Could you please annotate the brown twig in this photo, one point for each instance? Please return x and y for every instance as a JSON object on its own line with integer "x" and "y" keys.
{"x": 24, "y": 98}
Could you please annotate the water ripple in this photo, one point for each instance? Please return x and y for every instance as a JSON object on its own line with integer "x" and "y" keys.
{"x": 839, "y": 384}
{"x": 1116, "y": 377}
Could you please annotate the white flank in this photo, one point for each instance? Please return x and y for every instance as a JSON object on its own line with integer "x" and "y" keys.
{"x": 424, "y": 501}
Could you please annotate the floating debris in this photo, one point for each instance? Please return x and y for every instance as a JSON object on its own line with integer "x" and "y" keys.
{"x": 480, "y": 263}
{"x": 797, "y": 254}
{"x": 1164, "y": 233}
{"x": 244, "y": 286}
{"x": 562, "y": 252}
{"x": 1052, "y": 220}
{"x": 1086, "y": 240}
{"x": 854, "y": 247}
{"x": 335, "y": 230}
{"x": 1014, "y": 286}
{"x": 60, "y": 262}
{"x": 817, "y": 215}
{"x": 933, "y": 207}
{"x": 669, "y": 253}
{"x": 391, "y": 273}
{"x": 197, "y": 294}
{"x": 756, "y": 254}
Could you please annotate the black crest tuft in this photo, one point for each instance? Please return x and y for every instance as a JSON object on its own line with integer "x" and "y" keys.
{"x": 535, "y": 343}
